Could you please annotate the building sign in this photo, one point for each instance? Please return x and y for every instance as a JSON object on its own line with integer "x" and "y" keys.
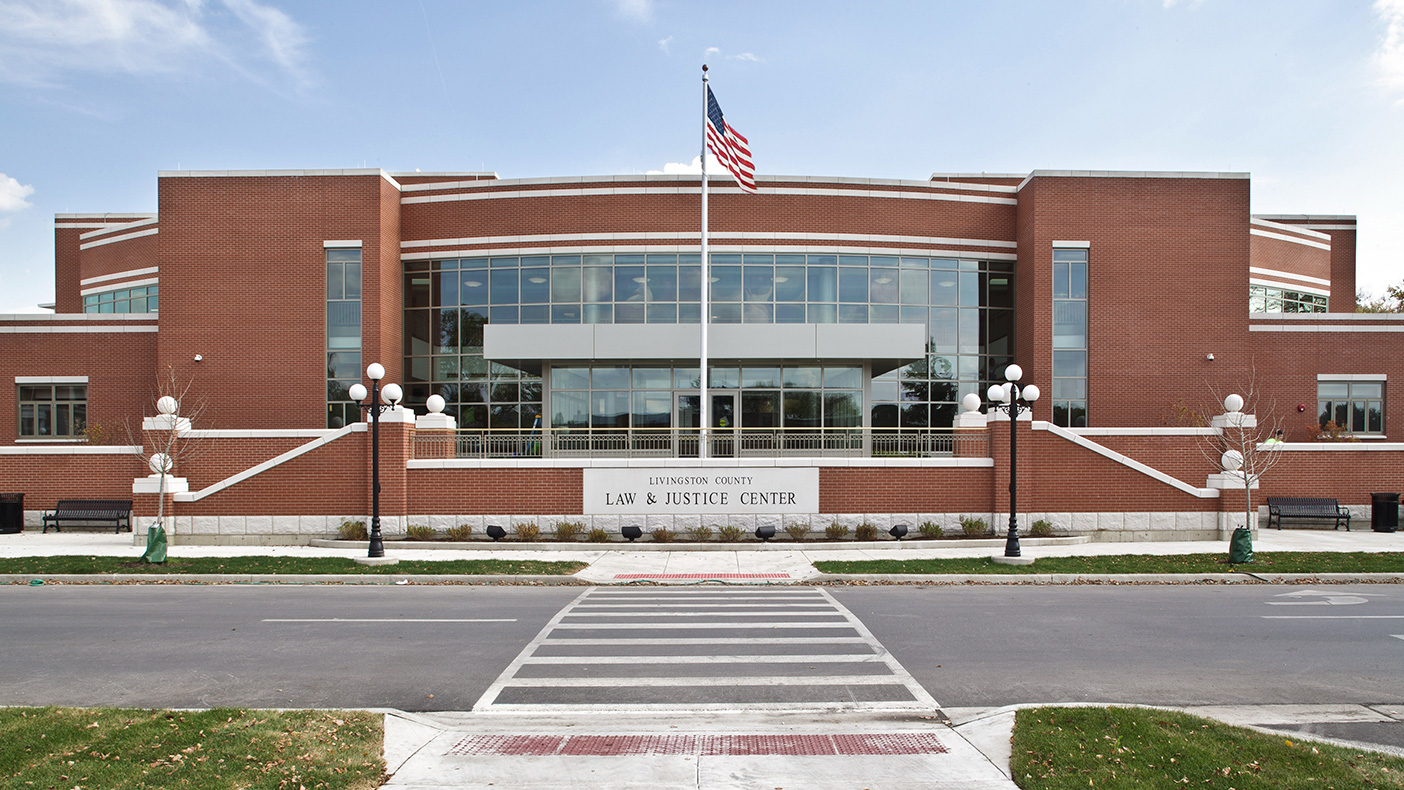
{"x": 707, "y": 491}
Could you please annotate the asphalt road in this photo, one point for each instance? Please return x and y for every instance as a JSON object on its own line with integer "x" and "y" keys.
{"x": 439, "y": 648}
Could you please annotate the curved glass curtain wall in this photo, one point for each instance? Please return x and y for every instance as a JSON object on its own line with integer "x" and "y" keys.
{"x": 966, "y": 306}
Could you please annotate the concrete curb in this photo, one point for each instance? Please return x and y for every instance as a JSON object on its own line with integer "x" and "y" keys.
{"x": 910, "y": 544}
{"x": 1107, "y": 578}
{"x": 287, "y": 578}
{"x": 826, "y": 578}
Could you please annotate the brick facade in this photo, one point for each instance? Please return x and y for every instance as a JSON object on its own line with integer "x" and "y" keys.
{"x": 240, "y": 260}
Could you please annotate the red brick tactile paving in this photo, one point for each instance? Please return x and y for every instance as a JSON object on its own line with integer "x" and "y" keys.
{"x": 704, "y": 745}
{"x": 684, "y": 576}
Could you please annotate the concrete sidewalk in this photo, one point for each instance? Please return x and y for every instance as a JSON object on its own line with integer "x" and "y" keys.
{"x": 726, "y": 751}
{"x": 755, "y": 563}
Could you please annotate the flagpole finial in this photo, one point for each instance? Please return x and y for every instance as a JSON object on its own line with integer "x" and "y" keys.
{"x": 704, "y": 69}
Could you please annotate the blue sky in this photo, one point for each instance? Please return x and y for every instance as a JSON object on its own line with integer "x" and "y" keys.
{"x": 96, "y": 96}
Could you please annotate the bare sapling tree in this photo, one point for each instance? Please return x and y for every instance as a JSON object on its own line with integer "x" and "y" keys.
{"x": 172, "y": 442}
{"x": 1246, "y": 444}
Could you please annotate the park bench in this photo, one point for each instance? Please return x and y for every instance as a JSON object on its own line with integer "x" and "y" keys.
{"x": 1280, "y": 507}
{"x": 117, "y": 512}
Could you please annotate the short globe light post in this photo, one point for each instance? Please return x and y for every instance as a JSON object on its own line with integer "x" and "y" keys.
{"x": 1008, "y": 397}
{"x": 380, "y": 400}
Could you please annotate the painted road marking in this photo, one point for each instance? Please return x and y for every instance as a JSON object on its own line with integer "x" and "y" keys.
{"x": 769, "y": 679}
{"x": 1332, "y": 616}
{"x": 383, "y": 620}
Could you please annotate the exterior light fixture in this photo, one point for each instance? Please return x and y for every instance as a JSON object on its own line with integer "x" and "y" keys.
{"x": 1008, "y": 397}
{"x": 898, "y": 531}
{"x": 765, "y": 532}
{"x": 496, "y": 532}
{"x": 381, "y": 398}
{"x": 633, "y": 532}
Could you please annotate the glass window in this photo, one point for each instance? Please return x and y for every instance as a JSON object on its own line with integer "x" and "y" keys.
{"x": 823, "y": 284}
{"x": 853, "y": 284}
{"x": 1353, "y": 406}
{"x": 536, "y": 285}
{"x": 48, "y": 411}
{"x": 726, "y": 283}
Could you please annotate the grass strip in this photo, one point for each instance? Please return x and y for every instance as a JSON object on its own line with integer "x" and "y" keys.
{"x": 1263, "y": 562}
{"x": 213, "y": 749}
{"x": 1066, "y": 748}
{"x": 285, "y": 565}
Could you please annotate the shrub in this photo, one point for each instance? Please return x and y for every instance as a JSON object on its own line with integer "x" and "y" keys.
{"x": 836, "y": 531}
{"x": 974, "y": 527}
{"x": 420, "y": 532}
{"x": 597, "y": 535}
{"x": 1040, "y": 529}
{"x": 865, "y": 531}
{"x": 930, "y": 529}
{"x": 730, "y": 533}
{"x": 352, "y": 530}
{"x": 567, "y": 531}
{"x": 797, "y": 531}
{"x": 459, "y": 532}
{"x": 699, "y": 534}
{"x": 663, "y": 535}
{"x": 528, "y": 532}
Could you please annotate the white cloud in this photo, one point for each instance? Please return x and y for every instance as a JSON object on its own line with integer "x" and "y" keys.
{"x": 663, "y": 43}
{"x": 13, "y": 194}
{"x": 638, "y": 10}
{"x": 689, "y": 168}
{"x": 42, "y": 41}
{"x": 1389, "y": 58}
{"x": 744, "y": 56}
{"x": 12, "y": 197}
{"x": 710, "y": 51}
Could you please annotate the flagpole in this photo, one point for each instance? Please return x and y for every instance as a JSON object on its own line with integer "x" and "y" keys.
{"x": 706, "y": 416}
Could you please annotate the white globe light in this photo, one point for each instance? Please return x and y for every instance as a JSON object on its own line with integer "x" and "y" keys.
{"x": 160, "y": 463}
{"x": 1231, "y": 460}
{"x": 995, "y": 393}
{"x": 970, "y": 402}
{"x": 1233, "y": 403}
{"x": 358, "y": 392}
{"x": 1013, "y": 373}
{"x": 435, "y": 404}
{"x": 375, "y": 372}
{"x": 1031, "y": 393}
{"x": 391, "y": 394}
{"x": 167, "y": 405}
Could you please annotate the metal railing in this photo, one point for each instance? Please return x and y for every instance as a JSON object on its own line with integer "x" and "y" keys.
{"x": 684, "y": 443}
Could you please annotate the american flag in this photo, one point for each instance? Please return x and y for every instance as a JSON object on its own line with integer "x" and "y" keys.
{"x": 730, "y": 148}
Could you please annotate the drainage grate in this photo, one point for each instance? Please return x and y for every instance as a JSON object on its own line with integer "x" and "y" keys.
{"x": 702, "y": 745}
{"x": 625, "y": 576}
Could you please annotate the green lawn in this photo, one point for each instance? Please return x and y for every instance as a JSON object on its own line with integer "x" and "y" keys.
{"x": 1066, "y": 748}
{"x": 1263, "y": 562}
{"x": 118, "y": 749}
{"x": 288, "y": 565}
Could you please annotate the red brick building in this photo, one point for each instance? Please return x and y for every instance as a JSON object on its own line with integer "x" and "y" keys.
{"x": 559, "y": 321}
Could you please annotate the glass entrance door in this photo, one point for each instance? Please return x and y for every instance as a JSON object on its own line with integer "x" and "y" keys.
{"x": 723, "y": 426}
{"x": 687, "y": 419}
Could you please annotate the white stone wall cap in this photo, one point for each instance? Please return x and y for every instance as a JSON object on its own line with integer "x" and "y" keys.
{"x": 1234, "y": 419}
{"x": 166, "y": 422}
{"x": 971, "y": 419}
{"x": 398, "y": 415}
{"x": 1228, "y": 481}
{"x": 431, "y": 422}
{"x": 151, "y": 484}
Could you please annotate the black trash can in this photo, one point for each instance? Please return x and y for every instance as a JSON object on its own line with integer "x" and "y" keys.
{"x": 1384, "y": 512}
{"x": 11, "y": 513}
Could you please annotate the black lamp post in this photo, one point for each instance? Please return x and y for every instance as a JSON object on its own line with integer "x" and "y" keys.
{"x": 380, "y": 400}
{"x": 1007, "y": 397}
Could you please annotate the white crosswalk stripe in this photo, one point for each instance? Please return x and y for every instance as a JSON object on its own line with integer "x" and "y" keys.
{"x": 681, "y": 650}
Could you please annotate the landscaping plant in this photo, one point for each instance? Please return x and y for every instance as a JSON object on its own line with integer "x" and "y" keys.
{"x": 836, "y": 531}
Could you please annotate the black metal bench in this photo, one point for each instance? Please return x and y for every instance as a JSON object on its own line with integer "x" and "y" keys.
{"x": 1280, "y": 507}
{"x": 117, "y": 512}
